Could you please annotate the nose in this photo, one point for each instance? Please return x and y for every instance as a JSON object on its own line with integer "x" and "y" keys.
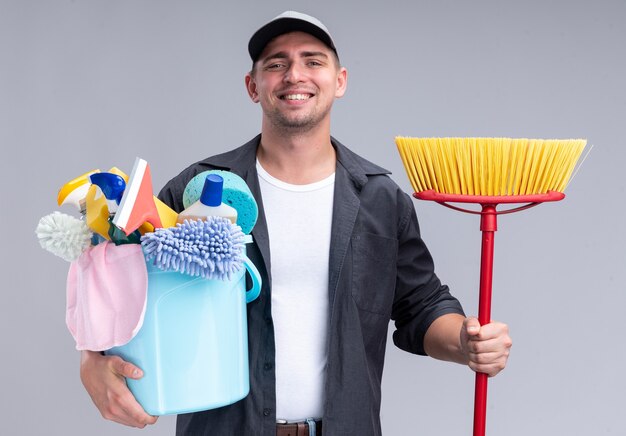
{"x": 294, "y": 73}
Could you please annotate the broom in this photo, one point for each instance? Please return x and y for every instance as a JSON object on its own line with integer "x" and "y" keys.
{"x": 488, "y": 172}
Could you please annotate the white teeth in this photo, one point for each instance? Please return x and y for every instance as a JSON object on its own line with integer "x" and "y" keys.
{"x": 297, "y": 97}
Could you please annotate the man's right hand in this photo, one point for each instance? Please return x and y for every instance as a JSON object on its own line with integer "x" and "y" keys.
{"x": 104, "y": 379}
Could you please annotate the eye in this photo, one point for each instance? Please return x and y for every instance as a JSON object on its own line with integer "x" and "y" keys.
{"x": 314, "y": 63}
{"x": 274, "y": 66}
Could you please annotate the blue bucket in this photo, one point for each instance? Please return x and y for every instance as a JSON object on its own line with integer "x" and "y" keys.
{"x": 193, "y": 344}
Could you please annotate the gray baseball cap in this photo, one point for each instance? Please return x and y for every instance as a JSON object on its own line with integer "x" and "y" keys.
{"x": 288, "y": 21}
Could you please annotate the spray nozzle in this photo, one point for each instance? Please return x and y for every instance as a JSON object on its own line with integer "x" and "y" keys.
{"x": 75, "y": 191}
{"x": 111, "y": 186}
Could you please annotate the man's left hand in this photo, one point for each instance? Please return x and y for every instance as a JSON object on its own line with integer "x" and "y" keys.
{"x": 486, "y": 347}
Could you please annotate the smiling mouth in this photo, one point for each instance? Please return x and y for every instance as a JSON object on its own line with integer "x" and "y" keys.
{"x": 296, "y": 96}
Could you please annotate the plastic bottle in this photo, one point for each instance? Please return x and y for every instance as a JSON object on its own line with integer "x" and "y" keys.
{"x": 210, "y": 202}
{"x": 112, "y": 186}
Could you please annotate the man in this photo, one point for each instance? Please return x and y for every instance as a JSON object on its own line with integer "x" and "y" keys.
{"x": 338, "y": 247}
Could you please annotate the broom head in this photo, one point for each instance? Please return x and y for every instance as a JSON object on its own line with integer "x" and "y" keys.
{"x": 489, "y": 166}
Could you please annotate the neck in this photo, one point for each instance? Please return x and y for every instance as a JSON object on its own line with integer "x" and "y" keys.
{"x": 299, "y": 157}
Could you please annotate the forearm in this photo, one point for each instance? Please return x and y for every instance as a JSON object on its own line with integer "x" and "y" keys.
{"x": 443, "y": 340}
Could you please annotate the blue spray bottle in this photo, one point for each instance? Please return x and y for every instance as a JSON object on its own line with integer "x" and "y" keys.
{"x": 112, "y": 187}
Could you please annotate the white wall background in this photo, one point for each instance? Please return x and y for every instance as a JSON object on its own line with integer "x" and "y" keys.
{"x": 92, "y": 84}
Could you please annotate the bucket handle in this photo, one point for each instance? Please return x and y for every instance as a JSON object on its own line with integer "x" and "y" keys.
{"x": 255, "y": 290}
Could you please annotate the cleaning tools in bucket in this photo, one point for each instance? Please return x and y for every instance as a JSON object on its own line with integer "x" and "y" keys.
{"x": 235, "y": 193}
{"x": 488, "y": 172}
{"x": 212, "y": 249}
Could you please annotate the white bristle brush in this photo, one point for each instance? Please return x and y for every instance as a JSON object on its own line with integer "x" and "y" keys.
{"x": 63, "y": 235}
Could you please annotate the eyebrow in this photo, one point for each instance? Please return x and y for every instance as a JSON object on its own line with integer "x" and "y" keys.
{"x": 304, "y": 54}
{"x": 310, "y": 54}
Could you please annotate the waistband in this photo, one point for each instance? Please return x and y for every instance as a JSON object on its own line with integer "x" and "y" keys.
{"x": 309, "y": 427}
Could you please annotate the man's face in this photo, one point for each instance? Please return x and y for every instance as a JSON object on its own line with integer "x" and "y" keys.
{"x": 296, "y": 79}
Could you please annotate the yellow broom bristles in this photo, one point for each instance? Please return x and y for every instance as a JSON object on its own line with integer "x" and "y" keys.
{"x": 489, "y": 166}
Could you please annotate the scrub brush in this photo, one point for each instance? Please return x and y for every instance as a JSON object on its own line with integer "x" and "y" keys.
{"x": 63, "y": 235}
{"x": 212, "y": 249}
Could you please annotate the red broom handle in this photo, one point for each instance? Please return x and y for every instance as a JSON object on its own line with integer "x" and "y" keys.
{"x": 488, "y": 227}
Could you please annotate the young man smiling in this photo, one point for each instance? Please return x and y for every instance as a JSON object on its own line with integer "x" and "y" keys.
{"x": 339, "y": 250}
{"x": 296, "y": 80}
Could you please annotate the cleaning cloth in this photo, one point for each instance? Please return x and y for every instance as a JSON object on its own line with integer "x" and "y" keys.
{"x": 106, "y": 296}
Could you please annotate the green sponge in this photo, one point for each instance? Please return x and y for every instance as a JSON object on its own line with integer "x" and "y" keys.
{"x": 235, "y": 194}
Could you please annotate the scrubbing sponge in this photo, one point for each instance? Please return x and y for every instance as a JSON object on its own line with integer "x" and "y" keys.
{"x": 235, "y": 194}
{"x": 212, "y": 249}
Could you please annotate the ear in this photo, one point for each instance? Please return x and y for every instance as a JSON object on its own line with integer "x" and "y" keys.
{"x": 251, "y": 88}
{"x": 342, "y": 82}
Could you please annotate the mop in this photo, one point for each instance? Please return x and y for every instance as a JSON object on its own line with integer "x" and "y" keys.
{"x": 212, "y": 249}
